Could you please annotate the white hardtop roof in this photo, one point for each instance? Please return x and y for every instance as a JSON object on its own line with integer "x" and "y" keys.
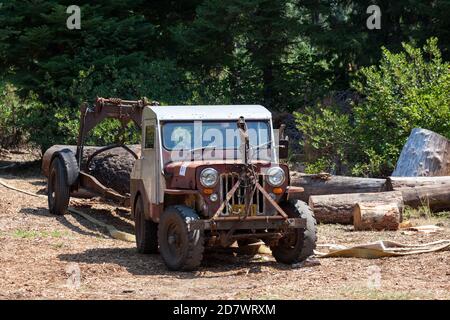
{"x": 211, "y": 112}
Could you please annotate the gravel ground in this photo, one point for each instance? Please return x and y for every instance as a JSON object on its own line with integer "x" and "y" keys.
{"x": 38, "y": 251}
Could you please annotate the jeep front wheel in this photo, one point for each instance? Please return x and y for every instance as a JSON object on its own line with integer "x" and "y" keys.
{"x": 180, "y": 247}
{"x": 297, "y": 244}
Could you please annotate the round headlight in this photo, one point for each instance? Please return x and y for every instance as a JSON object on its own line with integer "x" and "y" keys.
{"x": 209, "y": 177}
{"x": 275, "y": 176}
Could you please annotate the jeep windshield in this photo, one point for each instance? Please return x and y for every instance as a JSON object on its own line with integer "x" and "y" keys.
{"x": 216, "y": 139}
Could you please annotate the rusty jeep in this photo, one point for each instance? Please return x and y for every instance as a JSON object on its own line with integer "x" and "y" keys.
{"x": 206, "y": 176}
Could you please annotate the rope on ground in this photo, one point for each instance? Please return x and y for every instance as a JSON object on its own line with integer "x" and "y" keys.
{"x": 20, "y": 190}
{"x": 113, "y": 232}
{"x": 116, "y": 234}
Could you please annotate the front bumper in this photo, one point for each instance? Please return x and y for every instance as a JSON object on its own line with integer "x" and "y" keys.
{"x": 250, "y": 223}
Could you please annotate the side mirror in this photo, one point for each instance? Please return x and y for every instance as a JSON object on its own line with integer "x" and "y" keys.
{"x": 283, "y": 144}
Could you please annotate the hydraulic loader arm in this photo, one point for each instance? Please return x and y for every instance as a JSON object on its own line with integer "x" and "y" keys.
{"x": 123, "y": 110}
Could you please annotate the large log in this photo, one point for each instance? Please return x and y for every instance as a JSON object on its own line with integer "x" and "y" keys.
{"x": 323, "y": 184}
{"x": 376, "y": 216}
{"x": 399, "y": 183}
{"x": 112, "y": 167}
{"x": 436, "y": 197}
{"x": 338, "y": 208}
{"x": 425, "y": 153}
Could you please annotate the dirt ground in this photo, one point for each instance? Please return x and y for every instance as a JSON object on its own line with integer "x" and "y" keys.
{"x": 38, "y": 251}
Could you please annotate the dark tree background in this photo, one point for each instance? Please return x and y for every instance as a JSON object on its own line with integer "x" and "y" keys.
{"x": 285, "y": 54}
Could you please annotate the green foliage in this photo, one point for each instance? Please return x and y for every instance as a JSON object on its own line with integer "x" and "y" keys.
{"x": 10, "y": 133}
{"x": 407, "y": 90}
{"x": 327, "y": 139}
{"x": 284, "y": 54}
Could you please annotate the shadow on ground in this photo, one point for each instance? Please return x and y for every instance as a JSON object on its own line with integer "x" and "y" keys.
{"x": 43, "y": 212}
{"x": 216, "y": 260}
{"x": 141, "y": 264}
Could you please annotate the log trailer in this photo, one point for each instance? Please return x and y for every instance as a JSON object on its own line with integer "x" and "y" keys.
{"x": 206, "y": 176}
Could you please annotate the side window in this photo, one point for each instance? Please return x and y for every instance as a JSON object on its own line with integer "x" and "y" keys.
{"x": 149, "y": 137}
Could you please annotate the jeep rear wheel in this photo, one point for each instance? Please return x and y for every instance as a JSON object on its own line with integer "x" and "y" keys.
{"x": 180, "y": 247}
{"x": 57, "y": 188}
{"x": 297, "y": 244}
{"x": 145, "y": 230}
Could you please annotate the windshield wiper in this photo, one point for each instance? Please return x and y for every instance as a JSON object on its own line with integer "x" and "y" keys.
{"x": 202, "y": 148}
{"x": 260, "y": 146}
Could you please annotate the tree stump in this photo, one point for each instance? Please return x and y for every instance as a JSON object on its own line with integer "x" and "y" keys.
{"x": 376, "y": 216}
{"x": 425, "y": 153}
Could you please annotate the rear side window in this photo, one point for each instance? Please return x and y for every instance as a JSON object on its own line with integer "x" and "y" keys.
{"x": 149, "y": 137}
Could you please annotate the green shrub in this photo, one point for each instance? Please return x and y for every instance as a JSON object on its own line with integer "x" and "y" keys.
{"x": 407, "y": 90}
{"x": 11, "y": 134}
{"x": 327, "y": 139}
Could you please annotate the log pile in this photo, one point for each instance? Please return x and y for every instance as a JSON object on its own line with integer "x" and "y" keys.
{"x": 421, "y": 178}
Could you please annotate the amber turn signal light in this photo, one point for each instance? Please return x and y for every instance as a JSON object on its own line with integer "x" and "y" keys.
{"x": 277, "y": 190}
{"x": 207, "y": 191}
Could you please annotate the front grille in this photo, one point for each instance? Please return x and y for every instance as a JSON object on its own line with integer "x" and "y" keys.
{"x": 227, "y": 181}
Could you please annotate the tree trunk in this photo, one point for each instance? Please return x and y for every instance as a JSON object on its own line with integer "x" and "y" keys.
{"x": 436, "y": 197}
{"x": 376, "y": 216}
{"x": 338, "y": 208}
{"x": 324, "y": 184}
{"x": 425, "y": 153}
{"x": 400, "y": 183}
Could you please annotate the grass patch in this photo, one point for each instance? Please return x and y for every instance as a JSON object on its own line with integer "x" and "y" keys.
{"x": 420, "y": 212}
{"x": 423, "y": 211}
{"x": 58, "y": 245}
{"x": 34, "y": 234}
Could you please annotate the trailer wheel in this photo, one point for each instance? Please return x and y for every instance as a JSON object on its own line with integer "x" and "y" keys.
{"x": 180, "y": 247}
{"x": 145, "y": 230}
{"x": 298, "y": 244}
{"x": 58, "y": 189}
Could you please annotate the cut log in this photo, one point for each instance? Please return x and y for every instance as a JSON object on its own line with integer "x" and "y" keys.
{"x": 436, "y": 197}
{"x": 399, "y": 183}
{"x": 376, "y": 216}
{"x": 324, "y": 184}
{"x": 338, "y": 208}
{"x": 425, "y": 153}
